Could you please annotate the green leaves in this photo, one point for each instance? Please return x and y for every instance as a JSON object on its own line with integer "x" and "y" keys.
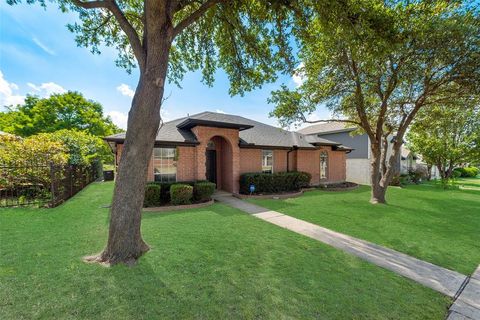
{"x": 448, "y": 135}
{"x": 59, "y": 111}
{"x": 378, "y": 63}
{"x": 250, "y": 39}
{"x": 247, "y": 39}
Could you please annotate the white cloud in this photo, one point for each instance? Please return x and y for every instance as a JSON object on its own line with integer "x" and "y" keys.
{"x": 119, "y": 118}
{"x": 7, "y": 96}
{"x": 299, "y": 76}
{"x": 42, "y": 46}
{"x": 166, "y": 116}
{"x": 46, "y": 89}
{"x": 125, "y": 90}
{"x": 220, "y": 111}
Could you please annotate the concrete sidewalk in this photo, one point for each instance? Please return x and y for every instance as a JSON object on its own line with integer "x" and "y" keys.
{"x": 467, "y": 305}
{"x": 440, "y": 279}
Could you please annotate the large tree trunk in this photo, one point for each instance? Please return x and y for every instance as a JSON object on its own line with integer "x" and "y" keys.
{"x": 378, "y": 191}
{"x": 381, "y": 179}
{"x": 125, "y": 243}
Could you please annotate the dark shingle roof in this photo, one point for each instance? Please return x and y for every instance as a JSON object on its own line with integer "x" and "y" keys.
{"x": 326, "y": 127}
{"x": 251, "y": 133}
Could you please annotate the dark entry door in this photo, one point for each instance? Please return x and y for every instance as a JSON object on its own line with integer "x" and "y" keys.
{"x": 211, "y": 166}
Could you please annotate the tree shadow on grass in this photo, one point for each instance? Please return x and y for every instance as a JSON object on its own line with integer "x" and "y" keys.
{"x": 140, "y": 292}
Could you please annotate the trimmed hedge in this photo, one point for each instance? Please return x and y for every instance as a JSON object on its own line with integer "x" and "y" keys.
{"x": 468, "y": 172}
{"x": 274, "y": 182}
{"x": 158, "y": 193}
{"x": 203, "y": 191}
{"x": 152, "y": 195}
{"x": 181, "y": 194}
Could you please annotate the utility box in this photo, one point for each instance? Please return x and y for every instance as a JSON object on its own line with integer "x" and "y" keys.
{"x": 108, "y": 175}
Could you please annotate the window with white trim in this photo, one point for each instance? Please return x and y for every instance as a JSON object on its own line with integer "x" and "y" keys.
{"x": 267, "y": 161}
{"x": 165, "y": 164}
{"x": 323, "y": 164}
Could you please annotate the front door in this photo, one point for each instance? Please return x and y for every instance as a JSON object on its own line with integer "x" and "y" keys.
{"x": 211, "y": 165}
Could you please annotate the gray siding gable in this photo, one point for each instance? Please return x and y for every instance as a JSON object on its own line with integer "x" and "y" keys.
{"x": 357, "y": 142}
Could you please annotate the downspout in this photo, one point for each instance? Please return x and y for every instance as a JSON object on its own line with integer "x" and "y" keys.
{"x": 288, "y": 153}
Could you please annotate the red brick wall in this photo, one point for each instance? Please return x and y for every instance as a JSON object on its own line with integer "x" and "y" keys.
{"x": 186, "y": 164}
{"x": 279, "y": 160}
{"x": 337, "y": 166}
{"x": 309, "y": 161}
{"x": 250, "y": 160}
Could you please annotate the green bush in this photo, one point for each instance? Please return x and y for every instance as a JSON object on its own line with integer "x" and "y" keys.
{"x": 165, "y": 189}
{"x": 274, "y": 182}
{"x": 203, "y": 191}
{"x": 303, "y": 179}
{"x": 152, "y": 195}
{"x": 467, "y": 172}
{"x": 405, "y": 179}
{"x": 395, "y": 181}
{"x": 456, "y": 174}
{"x": 181, "y": 194}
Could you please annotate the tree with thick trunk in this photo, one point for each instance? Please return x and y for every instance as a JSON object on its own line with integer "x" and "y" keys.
{"x": 376, "y": 64}
{"x": 249, "y": 40}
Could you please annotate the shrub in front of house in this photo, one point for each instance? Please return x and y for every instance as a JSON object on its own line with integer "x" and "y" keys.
{"x": 467, "y": 172}
{"x": 152, "y": 195}
{"x": 181, "y": 194}
{"x": 203, "y": 191}
{"x": 303, "y": 179}
{"x": 274, "y": 182}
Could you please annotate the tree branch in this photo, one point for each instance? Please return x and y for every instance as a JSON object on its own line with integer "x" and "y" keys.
{"x": 125, "y": 25}
{"x": 194, "y": 16}
{"x": 131, "y": 33}
{"x": 330, "y": 120}
{"x": 90, "y": 4}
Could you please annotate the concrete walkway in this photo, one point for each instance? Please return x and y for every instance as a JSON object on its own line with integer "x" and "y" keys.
{"x": 467, "y": 305}
{"x": 440, "y": 279}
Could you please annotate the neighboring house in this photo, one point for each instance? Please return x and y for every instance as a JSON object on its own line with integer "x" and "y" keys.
{"x": 358, "y": 161}
{"x": 408, "y": 161}
{"x": 220, "y": 147}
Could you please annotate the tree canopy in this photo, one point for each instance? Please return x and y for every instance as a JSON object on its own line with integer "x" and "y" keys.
{"x": 71, "y": 111}
{"x": 375, "y": 64}
{"x": 447, "y": 136}
{"x": 248, "y": 39}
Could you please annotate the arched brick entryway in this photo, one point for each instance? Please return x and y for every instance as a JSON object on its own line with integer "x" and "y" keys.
{"x": 227, "y": 159}
{"x": 219, "y": 160}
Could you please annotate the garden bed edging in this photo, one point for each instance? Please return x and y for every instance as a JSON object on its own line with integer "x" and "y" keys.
{"x": 179, "y": 207}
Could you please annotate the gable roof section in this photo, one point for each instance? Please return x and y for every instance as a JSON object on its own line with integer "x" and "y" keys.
{"x": 326, "y": 128}
{"x": 252, "y": 133}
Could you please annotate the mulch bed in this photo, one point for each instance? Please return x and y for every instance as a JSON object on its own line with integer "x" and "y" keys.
{"x": 269, "y": 196}
{"x": 341, "y": 186}
{"x": 179, "y": 207}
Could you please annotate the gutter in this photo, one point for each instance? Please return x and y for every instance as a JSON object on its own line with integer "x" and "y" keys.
{"x": 288, "y": 153}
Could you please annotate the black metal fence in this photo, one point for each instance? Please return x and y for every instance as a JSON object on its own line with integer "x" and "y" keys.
{"x": 42, "y": 184}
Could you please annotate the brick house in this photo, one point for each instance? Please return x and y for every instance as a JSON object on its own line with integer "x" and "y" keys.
{"x": 219, "y": 147}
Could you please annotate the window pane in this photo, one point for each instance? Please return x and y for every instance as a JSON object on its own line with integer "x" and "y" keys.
{"x": 267, "y": 161}
{"x": 164, "y": 164}
{"x": 323, "y": 164}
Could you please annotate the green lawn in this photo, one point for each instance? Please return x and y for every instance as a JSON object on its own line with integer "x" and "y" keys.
{"x": 425, "y": 221}
{"x": 208, "y": 263}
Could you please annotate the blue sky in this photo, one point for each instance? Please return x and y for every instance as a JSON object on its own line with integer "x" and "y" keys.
{"x": 38, "y": 55}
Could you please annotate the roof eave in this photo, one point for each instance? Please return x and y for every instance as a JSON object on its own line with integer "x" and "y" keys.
{"x": 190, "y": 123}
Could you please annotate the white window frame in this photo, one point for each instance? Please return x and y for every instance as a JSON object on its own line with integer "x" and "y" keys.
{"x": 324, "y": 173}
{"x": 161, "y": 159}
{"x": 265, "y": 163}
